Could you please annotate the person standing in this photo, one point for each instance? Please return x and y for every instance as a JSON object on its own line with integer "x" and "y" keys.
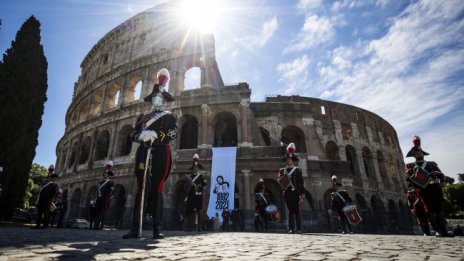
{"x": 341, "y": 198}
{"x": 262, "y": 200}
{"x": 46, "y": 195}
{"x": 416, "y": 206}
{"x": 430, "y": 192}
{"x": 63, "y": 206}
{"x": 293, "y": 193}
{"x": 105, "y": 189}
{"x": 194, "y": 201}
{"x": 225, "y": 219}
{"x": 154, "y": 130}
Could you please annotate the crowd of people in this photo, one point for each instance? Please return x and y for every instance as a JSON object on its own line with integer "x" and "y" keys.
{"x": 154, "y": 131}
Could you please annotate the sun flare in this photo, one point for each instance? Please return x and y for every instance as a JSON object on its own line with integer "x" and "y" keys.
{"x": 199, "y": 15}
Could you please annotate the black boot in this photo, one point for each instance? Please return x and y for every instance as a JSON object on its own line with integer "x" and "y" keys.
{"x": 426, "y": 230}
{"x": 156, "y": 233}
{"x": 133, "y": 233}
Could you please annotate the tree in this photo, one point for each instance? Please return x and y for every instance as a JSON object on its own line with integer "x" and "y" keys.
{"x": 461, "y": 177}
{"x": 455, "y": 195}
{"x": 36, "y": 176}
{"x": 448, "y": 180}
{"x": 23, "y": 87}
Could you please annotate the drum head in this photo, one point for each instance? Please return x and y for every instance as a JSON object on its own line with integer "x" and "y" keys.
{"x": 271, "y": 209}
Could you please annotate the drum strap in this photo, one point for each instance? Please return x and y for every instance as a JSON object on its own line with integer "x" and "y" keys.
{"x": 341, "y": 197}
{"x": 101, "y": 186}
{"x": 264, "y": 198}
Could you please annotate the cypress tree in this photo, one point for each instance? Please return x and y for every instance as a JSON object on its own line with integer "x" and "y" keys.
{"x": 23, "y": 87}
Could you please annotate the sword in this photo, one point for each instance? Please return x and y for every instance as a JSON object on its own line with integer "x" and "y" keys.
{"x": 142, "y": 197}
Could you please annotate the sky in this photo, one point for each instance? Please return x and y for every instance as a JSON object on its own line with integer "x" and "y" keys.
{"x": 403, "y": 60}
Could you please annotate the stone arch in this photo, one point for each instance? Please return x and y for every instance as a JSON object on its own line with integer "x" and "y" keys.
{"x": 95, "y": 106}
{"x": 85, "y": 150}
{"x": 295, "y": 135}
{"x": 135, "y": 83}
{"x": 352, "y": 158}
{"x": 332, "y": 150}
{"x": 115, "y": 213}
{"x": 188, "y": 132}
{"x": 379, "y": 213}
{"x": 347, "y": 132}
{"x": 84, "y": 110}
{"x": 112, "y": 96}
{"x": 225, "y": 130}
{"x": 124, "y": 142}
{"x": 368, "y": 161}
{"x": 392, "y": 225}
{"x": 74, "y": 203}
{"x": 74, "y": 151}
{"x": 102, "y": 145}
{"x": 192, "y": 78}
{"x": 266, "y": 136}
{"x": 382, "y": 165}
{"x": 361, "y": 202}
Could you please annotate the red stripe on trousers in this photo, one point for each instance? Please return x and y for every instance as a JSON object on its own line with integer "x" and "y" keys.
{"x": 167, "y": 169}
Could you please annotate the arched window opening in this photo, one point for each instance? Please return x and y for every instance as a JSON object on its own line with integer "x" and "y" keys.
{"x": 192, "y": 78}
{"x": 266, "y": 136}
{"x": 101, "y": 148}
{"x": 347, "y": 133}
{"x": 331, "y": 149}
{"x": 96, "y": 103}
{"x": 368, "y": 162}
{"x": 85, "y": 150}
{"x": 189, "y": 133}
{"x": 225, "y": 131}
{"x": 124, "y": 142}
{"x": 112, "y": 98}
{"x": 138, "y": 90}
{"x": 352, "y": 158}
{"x": 73, "y": 155}
{"x": 295, "y": 135}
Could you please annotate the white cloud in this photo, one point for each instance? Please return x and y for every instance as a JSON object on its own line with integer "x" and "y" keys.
{"x": 293, "y": 74}
{"x": 309, "y": 4}
{"x": 315, "y": 31}
{"x": 411, "y": 77}
{"x": 267, "y": 31}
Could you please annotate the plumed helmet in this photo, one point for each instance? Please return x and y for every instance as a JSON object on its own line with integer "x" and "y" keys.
{"x": 290, "y": 152}
{"x": 163, "y": 77}
{"x": 416, "y": 141}
{"x": 109, "y": 163}
{"x": 196, "y": 162}
{"x": 334, "y": 179}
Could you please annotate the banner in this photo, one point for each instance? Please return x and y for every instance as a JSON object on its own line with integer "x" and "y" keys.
{"x": 222, "y": 191}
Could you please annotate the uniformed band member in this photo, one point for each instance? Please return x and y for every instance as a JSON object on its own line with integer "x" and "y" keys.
{"x": 262, "y": 200}
{"x": 430, "y": 196}
{"x": 105, "y": 189}
{"x": 155, "y": 129}
{"x": 293, "y": 194}
{"x": 196, "y": 183}
{"x": 417, "y": 209}
{"x": 46, "y": 195}
{"x": 340, "y": 199}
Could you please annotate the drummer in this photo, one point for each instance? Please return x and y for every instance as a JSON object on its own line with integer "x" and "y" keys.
{"x": 261, "y": 202}
{"x": 293, "y": 193}
{"x": 340, "y": 199}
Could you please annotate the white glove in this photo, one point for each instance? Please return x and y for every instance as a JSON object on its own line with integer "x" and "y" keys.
{"x": 148, "y": 135}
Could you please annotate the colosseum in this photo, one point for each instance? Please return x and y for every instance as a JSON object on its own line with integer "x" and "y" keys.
{"x": 331, "y": 138}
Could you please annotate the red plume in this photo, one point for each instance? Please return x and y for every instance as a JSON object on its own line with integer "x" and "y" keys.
{"x": 291, "y": 148}
{"x": 416, "y": 141}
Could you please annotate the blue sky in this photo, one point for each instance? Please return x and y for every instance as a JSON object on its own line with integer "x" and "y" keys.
{"x": 403, "y": 60}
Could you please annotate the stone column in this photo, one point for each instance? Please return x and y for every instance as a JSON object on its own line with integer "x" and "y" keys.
{"x": 246, "y": 173}
{"x": 244, "y": 105}
{"x": 205, "y": 111}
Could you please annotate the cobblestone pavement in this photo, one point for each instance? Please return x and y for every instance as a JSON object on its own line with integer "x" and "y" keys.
{"x": 21, "y": 243}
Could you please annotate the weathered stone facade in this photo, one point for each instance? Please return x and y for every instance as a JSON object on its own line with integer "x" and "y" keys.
{"x": 331, "y": 138}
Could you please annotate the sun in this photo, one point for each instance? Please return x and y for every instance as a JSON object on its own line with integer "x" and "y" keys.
{"x": 199, "y": 15}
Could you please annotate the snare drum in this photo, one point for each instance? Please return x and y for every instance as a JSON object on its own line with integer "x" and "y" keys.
{"x": 273, "y": 213}
{"x": 271, "y": 209}
{"x": 421, "y": 177}
{"x": 352, "y": 214}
